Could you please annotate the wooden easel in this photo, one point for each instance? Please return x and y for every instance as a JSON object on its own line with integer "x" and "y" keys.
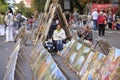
{"x": 103, "y": 45}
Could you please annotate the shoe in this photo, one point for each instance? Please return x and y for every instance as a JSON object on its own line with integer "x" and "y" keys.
{"x": 11, "y": 41}
{"x": 6, "y": 41}
{"x": 99, "y": 37}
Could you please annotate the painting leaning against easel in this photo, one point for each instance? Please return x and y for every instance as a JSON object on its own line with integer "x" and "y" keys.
{"x": 92, "y": 69}
{"x": 67, "y": 49}
{"x": 43, "y": 67}
{"x": 81, "y": 57}
{"x": 53, "y": 73}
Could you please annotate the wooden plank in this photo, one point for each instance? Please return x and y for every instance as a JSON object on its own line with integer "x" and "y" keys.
{"x": 47, "y": 5}
{"x": 21, "y": 33}
{"x": 11, "y": 66}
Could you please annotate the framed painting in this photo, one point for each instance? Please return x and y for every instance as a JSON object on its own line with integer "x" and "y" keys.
{"x": 68, "y": 47}
{"x": 53, "y": 73}
{"x": 37, "y": 65}
{"x": 92, "y": 69}
{"x": 43, "y": 67}
{"x": 37, "y": 52}
{"x": 86, "y": 64}
{"x": 81, "y": 57}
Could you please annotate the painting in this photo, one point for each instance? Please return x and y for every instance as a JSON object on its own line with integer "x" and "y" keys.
{"x": 84, "y": 68}
{"x": 39, "y": 62}
{"x": 53, "y": 73}
{"x": 43, "y": 67}
{"x": 92, "y": 70}
{"x": 68, "y": 47}
{"x": 81, "y": 57}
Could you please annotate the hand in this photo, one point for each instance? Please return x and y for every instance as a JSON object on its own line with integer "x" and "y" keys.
{"x": 59, "y": 36}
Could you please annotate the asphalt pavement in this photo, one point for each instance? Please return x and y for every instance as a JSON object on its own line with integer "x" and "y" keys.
{"x": 113, "y": 37}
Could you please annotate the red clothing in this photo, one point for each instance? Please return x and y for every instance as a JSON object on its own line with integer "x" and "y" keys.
{"x": 101, "y": 19}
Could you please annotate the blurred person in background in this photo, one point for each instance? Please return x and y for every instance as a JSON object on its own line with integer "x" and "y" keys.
{"x": 19, "y": 19}
{"x": 9, "y": 19}
{"x": 109, "y": 20}
{"x": 2, "y": 24}
{"x": 101, "y": 25}
{"x": 95, "y": 18}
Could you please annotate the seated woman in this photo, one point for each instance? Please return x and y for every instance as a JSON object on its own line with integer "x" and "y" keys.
{"x": 86, "y": 35}
{"x": 58, "y": 37}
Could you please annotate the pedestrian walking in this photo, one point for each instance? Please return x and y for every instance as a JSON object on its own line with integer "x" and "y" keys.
{"x": 110, "y": 20}
{"x": 9, "y": 22}
{"x": 101, "y": 25}
{"x": 19, "y": 19}
{"x": 2, "y": 24}
{"x": 94, "y": 18}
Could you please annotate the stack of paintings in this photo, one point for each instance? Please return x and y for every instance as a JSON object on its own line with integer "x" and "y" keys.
{"x": 90, "y": 64}
{"x": 13, "y": 69}
{"x": 44, "y": 67}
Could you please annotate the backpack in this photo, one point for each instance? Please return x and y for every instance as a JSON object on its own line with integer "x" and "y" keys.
{"x": 19, "y": 17}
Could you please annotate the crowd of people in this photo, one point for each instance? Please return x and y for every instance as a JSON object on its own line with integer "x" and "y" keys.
{"x": 112, "y": 20}
{"x": 11, "y": 21}
{"x": 97, "y": 21}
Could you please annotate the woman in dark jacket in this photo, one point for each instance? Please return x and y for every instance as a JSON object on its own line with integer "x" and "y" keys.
{"x": 86, "y": 34}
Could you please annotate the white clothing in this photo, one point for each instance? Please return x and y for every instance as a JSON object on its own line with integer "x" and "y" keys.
{"x": 114, "y": 17}
{"x": 9, "y": 19}
{"x": 57, "y": 21}
{"x": 59, "y": 35}
{"x": 2, "y": 29}
{"x": 89, "y": 17}
{"x": 9, "y": 33}
{"x": 9, "y": 30}
{"x": 95, "y": 15}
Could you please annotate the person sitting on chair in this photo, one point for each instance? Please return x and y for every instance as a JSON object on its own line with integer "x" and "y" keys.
{"x": 58, "y": 37}
{"x": 86, "y": 34}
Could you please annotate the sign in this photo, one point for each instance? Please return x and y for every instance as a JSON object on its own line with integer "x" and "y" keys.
{"x": 66, "y": 4}
{"x": 115, "y": 2}
{"x": 103, "y": 7}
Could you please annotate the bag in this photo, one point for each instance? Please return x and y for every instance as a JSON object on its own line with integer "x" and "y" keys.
{"x": 64, "y": 41}
{"x": 105, "y": 22}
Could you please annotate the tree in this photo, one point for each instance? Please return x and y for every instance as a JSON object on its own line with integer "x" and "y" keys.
{"x": 26, "y": 11}
{"x": 3, "y": 1}
{"x": 38, "y": 5}
{"x": 3, "y": 6}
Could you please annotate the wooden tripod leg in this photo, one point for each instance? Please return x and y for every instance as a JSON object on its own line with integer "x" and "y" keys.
{"x": 96, "y": 44}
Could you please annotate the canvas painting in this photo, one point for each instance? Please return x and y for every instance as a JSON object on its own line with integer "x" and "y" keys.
{"x": 53, "y": 73}
{"x": 44, "y": 66}
{"x": 81, "y": 57}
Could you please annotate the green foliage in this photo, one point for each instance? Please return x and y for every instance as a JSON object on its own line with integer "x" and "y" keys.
{"x": 2, "y": 1}
{"x": 25, "y": 10}
{"x": 38, "y": 5}
{"x": 3, "y": 6}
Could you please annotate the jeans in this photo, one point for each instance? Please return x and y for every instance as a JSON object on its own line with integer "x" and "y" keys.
{"x": 95, "y": 24}
{"x": 59, "y": 45}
